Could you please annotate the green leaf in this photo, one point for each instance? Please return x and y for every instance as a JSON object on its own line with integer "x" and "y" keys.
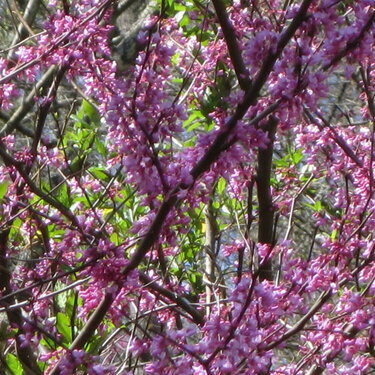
{"x": 334, "y": 234}
{"x": 281, "y": 163}
{"x": 14, "y": 364}
{"x": 3, "y": 189}
{"x": 99, "y": 173}
{"x": 179, "y": 7}
{"x": 64, "y": 196}
{"x": 317, "y": 206}
{"x": 100, "y": 147}
{"x": 114, "y": 238}
{"x": 87, "y": 116}
{"x": 15, "y": 229}
{"x": 296, "y": 156}
{"x": 174, "y": 60}
{"x": 195, "y": 115}
{"x": 63, "y": 326}
{"x": 48, "y": 343}
{"x": 190, "y": 143}
{"x": 221, "y": 185}
{"x": 216, "y": 205}
{"x": 193, "y": 126}
{"x": 56, "y": 234}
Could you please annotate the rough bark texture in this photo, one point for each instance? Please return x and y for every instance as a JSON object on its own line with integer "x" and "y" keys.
{"x": 130, "y": 17}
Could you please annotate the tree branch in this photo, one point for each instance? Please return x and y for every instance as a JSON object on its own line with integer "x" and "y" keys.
{"x": 24, "y": 351}
{"x": 23, "y": 29}
{"x": 179, "y": 301}
{"x": 28, "y": 103}
{"x": 266, "y": 211}
{"x": 354, "y": 43}
{"x": 221, "y": 142}
{"x": 232, "y": 45}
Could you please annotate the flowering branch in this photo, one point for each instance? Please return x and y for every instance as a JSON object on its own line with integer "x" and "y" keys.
{"x": 352, "y": 44}
{"x": 114, "y": 251}
{"x": 232, "y": 45}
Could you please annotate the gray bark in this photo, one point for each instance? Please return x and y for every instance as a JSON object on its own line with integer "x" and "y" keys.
{"x": 129, "y": 18}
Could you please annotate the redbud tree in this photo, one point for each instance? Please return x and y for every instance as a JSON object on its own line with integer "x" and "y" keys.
{"x": 207, "y": 209}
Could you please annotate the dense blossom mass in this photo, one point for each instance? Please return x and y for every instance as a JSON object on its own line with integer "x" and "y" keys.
{"x": 207, "y": 210}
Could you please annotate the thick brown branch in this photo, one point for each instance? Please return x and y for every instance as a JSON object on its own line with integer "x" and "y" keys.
{"x": 266, "y": 211}
{"x": 95, "y": 319}
{"x": 251, "y": 96}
